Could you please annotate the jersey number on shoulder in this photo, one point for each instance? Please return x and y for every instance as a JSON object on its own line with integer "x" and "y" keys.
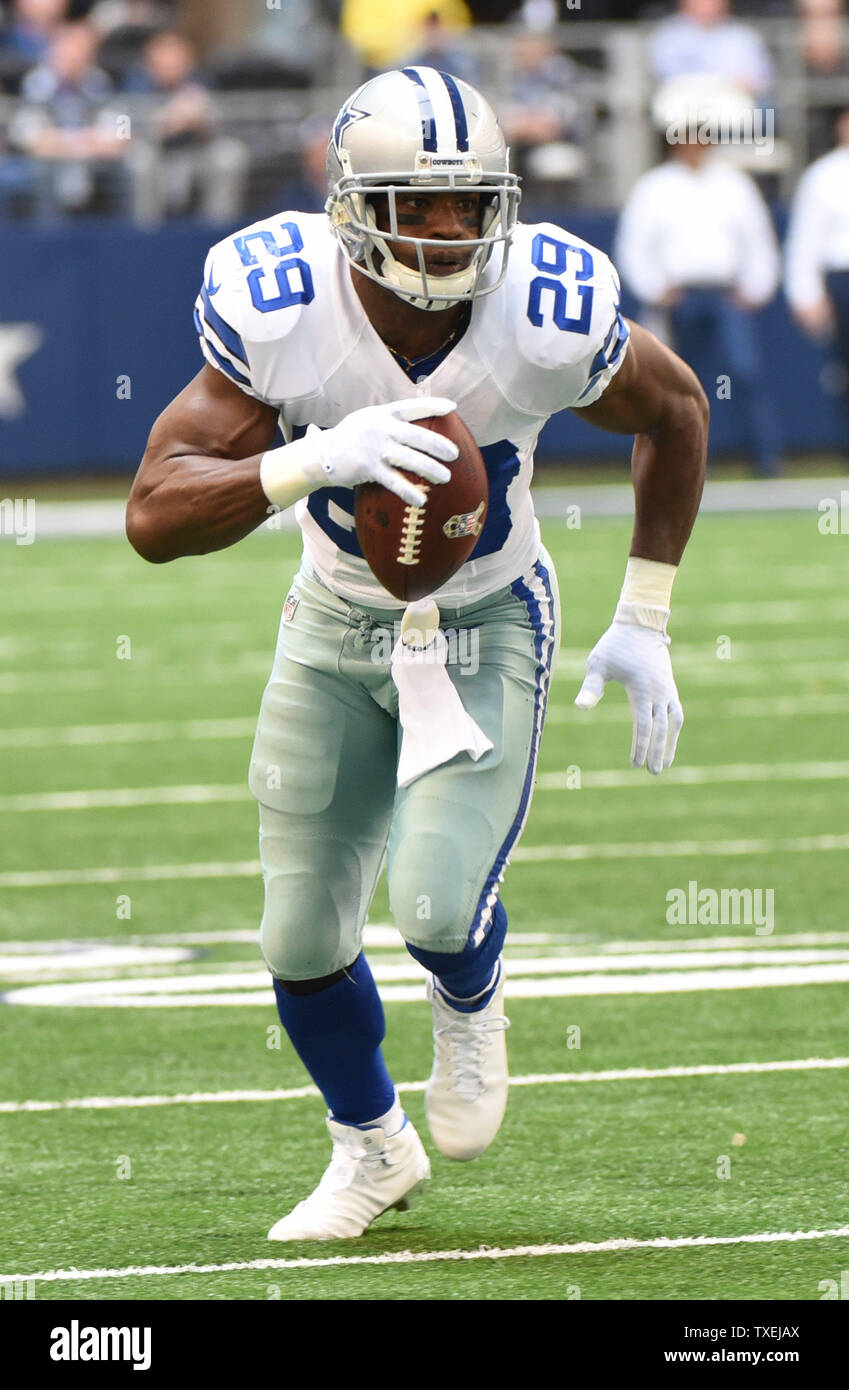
{"x": 560, "y": 288}
{"x": 276, "y": 267}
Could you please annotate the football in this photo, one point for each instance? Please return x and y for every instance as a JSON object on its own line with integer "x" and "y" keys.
{"x": 413, "y": 551}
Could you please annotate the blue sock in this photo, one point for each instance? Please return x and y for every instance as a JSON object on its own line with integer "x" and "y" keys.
{"x": 468, "y": 973}
{"x": 337, "y": 1035}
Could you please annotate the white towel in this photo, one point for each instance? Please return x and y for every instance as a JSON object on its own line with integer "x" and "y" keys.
{"x": 435, "y": 725}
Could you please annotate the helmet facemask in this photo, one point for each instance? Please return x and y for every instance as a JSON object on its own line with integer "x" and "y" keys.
{"x": 361, "y": 167}
{"x": 372, "y": 255}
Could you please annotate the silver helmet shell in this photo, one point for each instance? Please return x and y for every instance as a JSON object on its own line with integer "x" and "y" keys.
{"x": 419, "y": 128}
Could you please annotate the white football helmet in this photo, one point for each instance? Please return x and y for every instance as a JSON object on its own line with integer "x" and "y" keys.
{"x": 423, "y": 129}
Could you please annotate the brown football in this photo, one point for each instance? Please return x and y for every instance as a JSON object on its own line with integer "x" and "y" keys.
{"x": 414, "y": 550}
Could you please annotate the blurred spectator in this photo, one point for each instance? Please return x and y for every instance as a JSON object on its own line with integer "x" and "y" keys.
{"x": 824, "y": 44}
{"x": 196, "y": 169}
{"x": 383, "y": 32}
{"x": 124, "y": 27}
{"x": 703, "y": 37}
{"x": 30, "y": 27}
{"x": 169, "y": 67}
{"x": 822, "y": 35}
{"x": 69, "y": 144}
{"x": 539, "y": 15}
{"x": 817, "y": 253}
{"x": 296, "y": 32}
{"x": 547, "y": 116}
{"x": 696, "y": 240}
{"x": 441, "y": 46}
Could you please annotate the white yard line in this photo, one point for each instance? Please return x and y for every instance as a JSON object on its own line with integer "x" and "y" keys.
{"x": 692, "y": 776}
{"x": 140, "y": 731}
{"x": 250, "y": 989}
{"x": 159, "y": 731}
{"x": 13, "y": 1107}
{"x": 410, "y": 1257}
{"x": 191, "y": 794}
{"x": 246, "y": 666}
{"x": 736, "y": 707}
{"x": 767, "y": 612}
{"x": 697, "y": 674}
{"x": 661, "y": 849}
{"x": 384, "y": 935}
{"x": 116, "y": 798}
{"x": 144, "y": 873}
{"x": 525, "y": 854}
{"x": 77, "y": 957}
{"x": 238, "y": 975}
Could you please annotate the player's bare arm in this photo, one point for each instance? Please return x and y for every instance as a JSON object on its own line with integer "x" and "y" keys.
{"x": 656, "y": 397}
{"x": 198, "y": 488}
{"x": 208, "y": 476}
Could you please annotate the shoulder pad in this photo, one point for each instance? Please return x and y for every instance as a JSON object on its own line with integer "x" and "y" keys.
{"x": 562, "y": 309}
{"x": 256, "y": 285}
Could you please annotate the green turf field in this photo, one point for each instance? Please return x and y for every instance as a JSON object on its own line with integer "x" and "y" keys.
{"x": 128, "y": 695}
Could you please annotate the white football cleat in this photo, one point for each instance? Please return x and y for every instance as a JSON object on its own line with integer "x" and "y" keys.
{"x": 368, "y": 1173}
{"x": 466, "y": 1095}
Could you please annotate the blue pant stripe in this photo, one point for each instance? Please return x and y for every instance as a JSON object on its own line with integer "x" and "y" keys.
{"x": 544, "y": 638}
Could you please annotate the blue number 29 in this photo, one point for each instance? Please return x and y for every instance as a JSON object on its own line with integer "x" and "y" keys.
{"x": 572, "y": 305}
{"x": 281, "y": 269}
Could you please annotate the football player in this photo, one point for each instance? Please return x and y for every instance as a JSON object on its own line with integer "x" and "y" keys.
{"x": 418, "y": 292}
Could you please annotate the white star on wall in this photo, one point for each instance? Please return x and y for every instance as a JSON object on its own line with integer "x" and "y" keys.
{"x": 18, "y": 341}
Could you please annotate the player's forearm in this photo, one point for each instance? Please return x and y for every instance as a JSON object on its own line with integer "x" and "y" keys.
{"x": 193, "y": 504}
{"x": 668, "y": 467}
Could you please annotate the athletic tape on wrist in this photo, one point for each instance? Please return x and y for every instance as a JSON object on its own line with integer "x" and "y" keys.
{"x": 648, "y": 582}
{"x": 287, "y": 474}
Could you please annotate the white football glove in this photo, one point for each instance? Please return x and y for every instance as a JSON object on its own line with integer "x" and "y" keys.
{"x": 368, "y": 446}
{"x": 635, "y": 651}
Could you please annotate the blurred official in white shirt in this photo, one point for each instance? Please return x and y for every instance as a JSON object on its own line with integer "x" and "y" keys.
{"x": 696, "y": 238}
{"x": 817, "y": 252}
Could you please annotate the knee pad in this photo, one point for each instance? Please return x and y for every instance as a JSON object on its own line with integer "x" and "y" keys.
{"x": 301, "y": 933}
{"x": 313, "y": 890}
{"x": 429, "y": 893}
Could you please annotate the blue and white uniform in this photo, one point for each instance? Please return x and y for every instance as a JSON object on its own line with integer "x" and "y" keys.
{"x": 279, "y": 316}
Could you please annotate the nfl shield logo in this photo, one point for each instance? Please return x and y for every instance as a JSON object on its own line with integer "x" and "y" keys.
{"x": 289, "y": 607}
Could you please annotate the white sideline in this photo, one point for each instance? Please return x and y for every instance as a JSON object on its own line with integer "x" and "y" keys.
{"x": 104, "y": 517}
{"x": 409, "y": 1257}
{"x": 525, "y": 854}
{"x": 200, "y": 794}
{"x": 563, "y": 1078}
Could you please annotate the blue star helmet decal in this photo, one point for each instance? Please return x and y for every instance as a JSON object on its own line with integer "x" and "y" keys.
{"x": 347, "y": 116}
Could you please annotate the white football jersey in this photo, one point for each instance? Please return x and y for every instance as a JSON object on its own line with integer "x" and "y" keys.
{"x": 278, "y": 314}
